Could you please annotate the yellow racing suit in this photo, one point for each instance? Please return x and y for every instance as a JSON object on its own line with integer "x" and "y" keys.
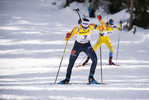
{"x": 104, "y": 38}
{"x": 84, "y": 36}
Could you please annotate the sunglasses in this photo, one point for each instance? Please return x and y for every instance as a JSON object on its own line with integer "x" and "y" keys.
{"x": 111, "y": 23}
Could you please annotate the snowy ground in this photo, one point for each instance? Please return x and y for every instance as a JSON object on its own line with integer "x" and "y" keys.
{"x": 31, "y": 45}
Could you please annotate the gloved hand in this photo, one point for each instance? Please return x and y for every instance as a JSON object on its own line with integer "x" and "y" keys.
{"x": 79, "y": 21}
{"x": 99, "y": 17}
{"x": 68, "y": 35}
{"x": 121, "y": 21}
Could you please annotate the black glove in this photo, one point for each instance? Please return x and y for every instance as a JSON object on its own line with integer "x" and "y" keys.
{"x": 79, "y": 21}
{"x": 121, "y": 21}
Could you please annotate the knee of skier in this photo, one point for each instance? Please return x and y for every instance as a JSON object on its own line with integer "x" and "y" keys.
{"x": 94, "y": 59}
{"x": 111, "y": 45}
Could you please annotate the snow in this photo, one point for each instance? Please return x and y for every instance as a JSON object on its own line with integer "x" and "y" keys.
{"x": 31, "y": 46}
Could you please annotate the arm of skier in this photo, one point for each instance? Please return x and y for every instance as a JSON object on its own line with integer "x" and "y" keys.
{"x": 71, "y": 34}
{"x": 119, "y": 28}
{"x": 103, "y": 27}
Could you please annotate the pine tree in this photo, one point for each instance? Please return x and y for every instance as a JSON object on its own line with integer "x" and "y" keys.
{"x": 141, "y": 12}
{"x": 115, "y": 6}
{"x": 70, "y": 1}
{"x": 131, "y": 15}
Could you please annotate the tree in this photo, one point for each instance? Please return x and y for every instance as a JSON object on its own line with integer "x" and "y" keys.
{"x": 115, "y": 6}
{"x": 92, "y": 7}
{"x": 131, "y": 15}
{"x": 70, "y": 1}
{"x": 141, "y": 13}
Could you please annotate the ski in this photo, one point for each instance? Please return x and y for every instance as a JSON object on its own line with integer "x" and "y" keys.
{"x": 81, "y": 65}
{"x": 46, "y": 84}
{"x": 78, "y": 66}
{"x": 113, "y": 65}
{"x": 80, "y": 84}
{"x": 103, "y": 64}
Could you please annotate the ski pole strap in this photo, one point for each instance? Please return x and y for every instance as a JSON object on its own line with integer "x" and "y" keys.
{"x": 99, "y": 30}
{"x": 99, "y": 25}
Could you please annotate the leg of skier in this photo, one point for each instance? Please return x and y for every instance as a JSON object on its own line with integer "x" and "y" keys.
{"x": 110, "y": 46}
{"x": 73, "y": 56}
{"x": 91, "y": 53}
{"x": 97, "y": 45}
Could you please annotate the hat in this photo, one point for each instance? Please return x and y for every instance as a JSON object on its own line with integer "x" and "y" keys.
{"x": 85, "y": 22}
{"x": 111, "y": 22}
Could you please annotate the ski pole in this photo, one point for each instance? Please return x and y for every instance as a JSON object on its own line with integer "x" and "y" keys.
{"x": 107, "y": 16}
{"x": 77, "y": 10}
{"x": 101, "y": 63}
{"x": 100, "y": 53}
{"x": 61, "y": 61}
{"x": 118, "y": 41}
{"x": 117, "y": 47}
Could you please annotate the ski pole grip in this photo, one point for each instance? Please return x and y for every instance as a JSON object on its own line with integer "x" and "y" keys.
{"x": 76, "y": 9}
{"x": 121, "y": 21}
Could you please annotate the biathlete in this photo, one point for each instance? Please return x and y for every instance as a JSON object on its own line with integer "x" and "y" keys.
{"x": 105, "y": 38}
{"x": 82, "y": 44}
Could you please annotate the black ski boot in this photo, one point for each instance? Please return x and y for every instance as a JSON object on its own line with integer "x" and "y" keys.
{"x": 65, "y": 81}
{"x": 86, "y": 61}
{"x": 110, "y": 61}
{"x": 91, "y": 79}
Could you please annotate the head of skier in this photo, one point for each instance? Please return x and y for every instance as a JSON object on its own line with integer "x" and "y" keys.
{"x": 111, "y": 22}
{"x": 85, "y": 24}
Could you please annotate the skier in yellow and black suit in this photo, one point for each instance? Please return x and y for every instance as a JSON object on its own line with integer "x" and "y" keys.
{"x": 104, "y": 38}
{"x": 82, "y": 44}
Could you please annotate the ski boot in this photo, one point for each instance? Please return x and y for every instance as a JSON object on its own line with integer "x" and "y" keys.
{"x": 85, "y": 62}
{"x": 91, "y": 79}
{"x": 65, "y": 81}
{"x": 110, "y": 62}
